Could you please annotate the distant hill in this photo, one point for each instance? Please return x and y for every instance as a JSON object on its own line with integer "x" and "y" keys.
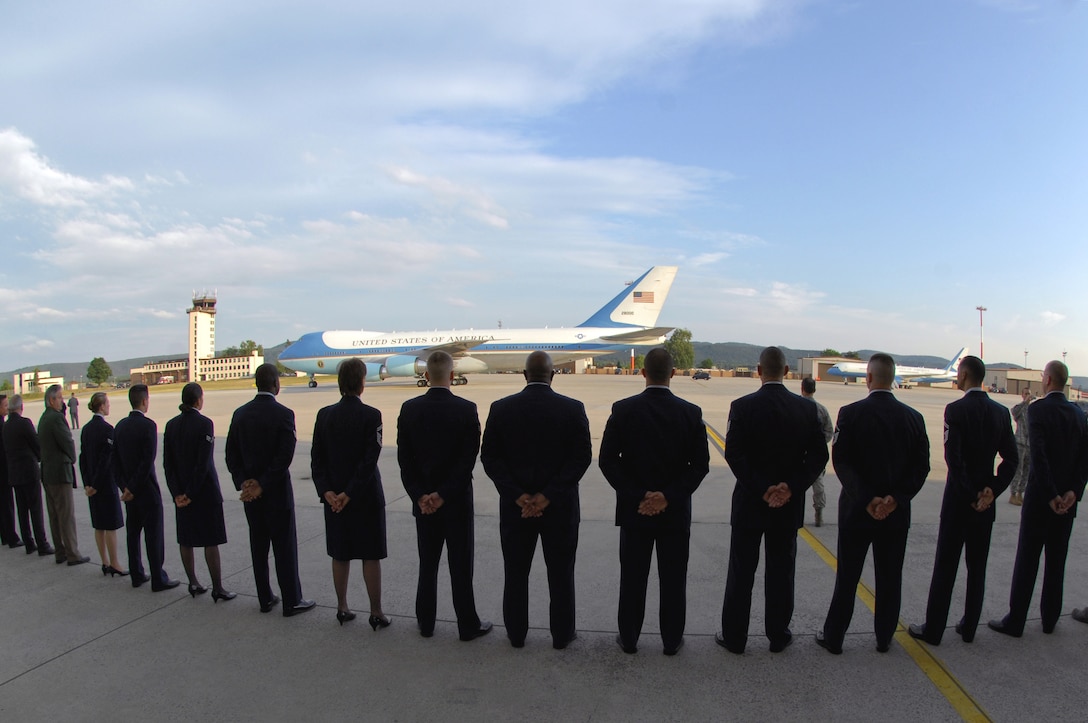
{"x": 74, "y": 371}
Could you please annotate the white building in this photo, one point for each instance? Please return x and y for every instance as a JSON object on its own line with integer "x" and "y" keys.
{"x": 25, "y": 383}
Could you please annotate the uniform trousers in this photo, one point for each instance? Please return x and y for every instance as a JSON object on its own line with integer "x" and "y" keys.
{"x": 560, "y": 545}
{"x": 455, "y": 529}
{"x": 1050, "y": 536}
{"x": 968, "y": 532}
{"x": 271, "y": 527}
{"x": 636, "y": 548}
{"x": 28, "y": 508}
{"x": 62, "y": 520}
{"x": 8, "y": 535}
{"x": 889, "y": 548}
{"x": 778, "y": 579}
{"x": 143, "y": 516}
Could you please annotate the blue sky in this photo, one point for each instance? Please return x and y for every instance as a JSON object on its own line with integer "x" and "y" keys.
{"x": 845, "y": 174}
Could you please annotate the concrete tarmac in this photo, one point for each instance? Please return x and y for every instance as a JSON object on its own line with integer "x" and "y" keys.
{"x": 80, "y": 646}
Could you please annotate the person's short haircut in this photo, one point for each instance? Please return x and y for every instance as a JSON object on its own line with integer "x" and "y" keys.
{"x": 882, "y": 367}
{"x": 538, "y": 367}
{"x": 3, "y": 397}
{"x": 15, "y": 404}
{"x": 773, "y": 362}
{"x": 266, "y": 377}
{"x": 658, "y": 365}
{"x": 1059, "y": 371}
{"x": 974, "y": 369}
{"x": 350, "y": 375}
{"x": 439, "y": 365}
{"x": 54, "y": 391}
{"x": 97, "y": 400}
{"x": 808, "y": 385}
{"x": 137, "y": 394}
{"x": 190, "y": 395}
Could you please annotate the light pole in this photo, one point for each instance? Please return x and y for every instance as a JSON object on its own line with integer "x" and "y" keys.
{"x": 1025, "y": 358}
{"x": 1064, "y": 352}
{"x": 981, "y": 354}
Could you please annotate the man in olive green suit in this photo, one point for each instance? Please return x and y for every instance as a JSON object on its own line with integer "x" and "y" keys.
{"x": 58, "y": 476}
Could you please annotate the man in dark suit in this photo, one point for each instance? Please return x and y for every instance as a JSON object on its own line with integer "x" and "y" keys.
{"x": 24, "y": 473}
{"x": 976, "y": 429}
{"x": 58, "y": 476}
{"x": 8, "y": 535}
{"x": 536, "y": 448}
{"x": 654, "y": 454}
{"x": 438, "y": 436}
{"x": 259, "y": 450}
{"x": 1059, "y": 467}
{"x": 775, "y": 446}
{"x": 881, "y": 456}
{"x": 135, "y": 445}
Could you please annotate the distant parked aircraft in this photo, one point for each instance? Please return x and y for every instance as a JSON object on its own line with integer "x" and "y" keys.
{"x": 854, "y": 370}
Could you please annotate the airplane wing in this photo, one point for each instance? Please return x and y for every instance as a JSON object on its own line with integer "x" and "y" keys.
{"x": 454, "y": 349}
{"x": 640, "y": 336}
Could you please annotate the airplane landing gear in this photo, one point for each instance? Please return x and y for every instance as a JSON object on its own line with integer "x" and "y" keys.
{"x": 313, "y": 383}
{"x": 458, "y": 381}
{"x": 421, "y": 382}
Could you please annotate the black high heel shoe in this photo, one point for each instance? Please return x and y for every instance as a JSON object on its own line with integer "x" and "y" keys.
{"x": 379, "y": 622}
{"x": 343, "y": 616}
{"x": 218, "y": 595}
{"x": 111, "y": 571}
{"x": 195, "y": 590}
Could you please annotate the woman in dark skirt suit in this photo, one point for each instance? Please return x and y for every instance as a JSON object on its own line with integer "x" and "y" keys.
{"x": 187, "y": 446}
{"x": 344, "y": 462}
{"x": 95, "y": 451}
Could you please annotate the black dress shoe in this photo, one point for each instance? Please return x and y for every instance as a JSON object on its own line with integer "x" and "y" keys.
{"x": 720, "y": 640}
{"x": 267, "y": 607}
{"x": 17, "y": 543}
{"x": 673, "y": 650}
{"x": 45, "y": 550}
{"x": 78, "y": 561}
{"x": 629, "y": 649}
{"x": 426, "y": 633}
{"x": 168, "y": 585}
{"x": 224, "y": 595}
{"x": 195, "y": 590}
{"x": 517, "y": 643}
{"x": 959, "y": 631}
{"x": 302, "y": 606}
{"x": 822, "y": 642}
{"x": 883, "y": 647}
{"x": 484, "y": 629}
{"x": 562, "y": 644}
{"x": 779, "y": 646}
{"x": 139, "y": 579}
{"x": 918, "y": 632}
{"x": 31, "y": 548}
{"x": 60, "y": 560}
{"x": 1048, "y": 629}
{"x": 1000, "y": 626}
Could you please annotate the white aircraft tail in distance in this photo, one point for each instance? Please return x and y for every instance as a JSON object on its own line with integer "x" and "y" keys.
{"x": 904, "y": 375}
{"x": 627, "y": 320}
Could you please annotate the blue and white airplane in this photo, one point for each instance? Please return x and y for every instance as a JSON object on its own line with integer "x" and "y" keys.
{"x": 904, "y": 376}
{"x": 627, "y": 320}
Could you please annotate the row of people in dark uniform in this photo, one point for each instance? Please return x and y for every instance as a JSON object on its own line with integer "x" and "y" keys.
{"x": 536, "y": 448}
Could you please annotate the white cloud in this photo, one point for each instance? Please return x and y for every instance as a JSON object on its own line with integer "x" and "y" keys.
{"x": 30, "y": 176}
{"x": 741, "y": 291}
{"x": 1051, "y": 318}
{"x": 37, "y": 345}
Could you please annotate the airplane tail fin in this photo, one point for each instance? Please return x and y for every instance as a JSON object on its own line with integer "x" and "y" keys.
{"x": 639, "y": 304}
{"x": 955, "y": 363}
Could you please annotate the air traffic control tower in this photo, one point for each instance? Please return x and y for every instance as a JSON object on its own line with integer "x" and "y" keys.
{"x": 201, "y": 331}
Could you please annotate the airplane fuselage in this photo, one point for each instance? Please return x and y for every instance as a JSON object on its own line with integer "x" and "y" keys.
{"x": 493, "y": 350}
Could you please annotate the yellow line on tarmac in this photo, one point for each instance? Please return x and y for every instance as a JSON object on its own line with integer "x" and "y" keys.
{"x": 717, "y": 439}
{"x": 922, "y": 655}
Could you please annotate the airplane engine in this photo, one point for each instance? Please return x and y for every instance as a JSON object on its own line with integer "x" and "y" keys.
{"x": 404, "y": 366}
{"x": 375, "y": 372}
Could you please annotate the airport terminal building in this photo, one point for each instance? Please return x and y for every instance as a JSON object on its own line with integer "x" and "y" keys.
{"x": 202, "y": 365}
